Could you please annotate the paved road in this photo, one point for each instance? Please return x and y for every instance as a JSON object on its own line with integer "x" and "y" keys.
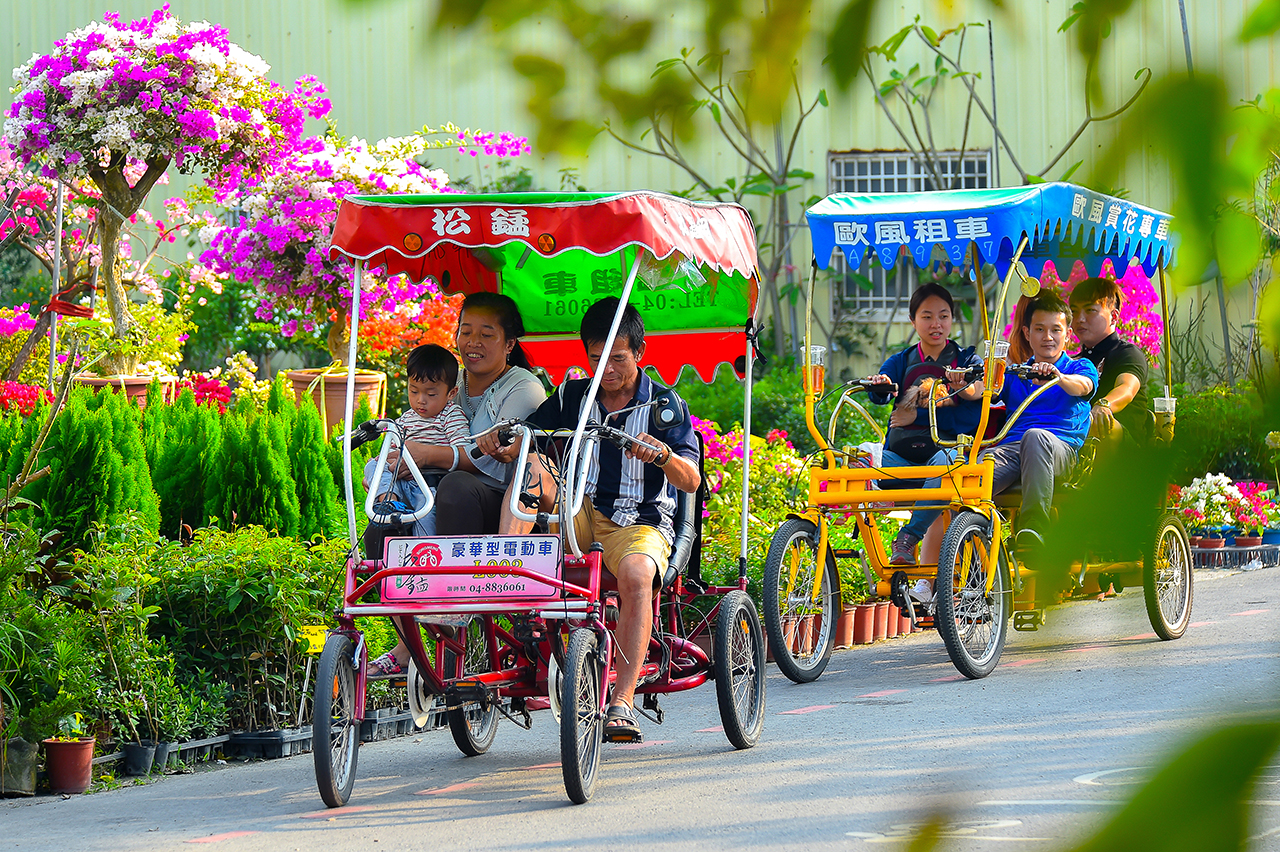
{"x": 1032, "y": 757}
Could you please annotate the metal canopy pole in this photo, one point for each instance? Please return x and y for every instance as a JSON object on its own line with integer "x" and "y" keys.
{"x": 348, "y": 484}
{"x": 57, "y": 287}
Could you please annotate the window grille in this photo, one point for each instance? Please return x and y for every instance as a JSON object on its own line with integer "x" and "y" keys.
{"x": 867, "y": 172}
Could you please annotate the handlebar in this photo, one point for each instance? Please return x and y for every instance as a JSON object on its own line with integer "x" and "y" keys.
{"x": 507, "y": 436}
{"x": 393, "y": 436}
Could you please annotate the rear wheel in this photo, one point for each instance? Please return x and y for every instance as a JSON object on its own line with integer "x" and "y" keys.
{"x": 335, "y": 730}
{"x": 801, "y": 625}
{"x": 1167, "y": 579}
{"x": 973, "y": 622}
{"x": 739, "y": 653}
{"x": 581, "y": 716}
{"x": 473, "y": 725}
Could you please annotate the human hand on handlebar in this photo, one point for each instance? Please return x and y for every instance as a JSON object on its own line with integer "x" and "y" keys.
{"x": 637, "y": 449}
{"x": 1042, "y": 371}
{"x": 498, "y": 444}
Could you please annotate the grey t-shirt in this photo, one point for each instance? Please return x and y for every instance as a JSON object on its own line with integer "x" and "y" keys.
{"x": 516, "y": 394}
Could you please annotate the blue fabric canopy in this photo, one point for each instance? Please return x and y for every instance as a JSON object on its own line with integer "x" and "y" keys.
{"x": 1063, "y": 223}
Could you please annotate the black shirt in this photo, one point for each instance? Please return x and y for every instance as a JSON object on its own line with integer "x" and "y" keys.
{"x": 1114, "y": 357}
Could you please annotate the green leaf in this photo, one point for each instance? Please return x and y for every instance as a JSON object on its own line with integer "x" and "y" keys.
{"x": 1066, "y": 176}
{"x": 847, "y": 41}
{"x": 1198, "y": 800}
{"x": 1262, "y": 21}
{"x": 1035, "y": 179}
{"x": 930, "y": 35}
{"x": 663, "y": 66}
{"x": 802, "y": 174}
{"x": 715, "y": 111}
{"x": 1239, "y": 247}
{"x": 822, "y": 97}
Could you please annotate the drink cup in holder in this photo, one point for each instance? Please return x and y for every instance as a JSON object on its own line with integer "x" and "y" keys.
{"x": 1001, "y": 354}
{"x": 1165, "y": 408}
{"x": 817, "y": 369}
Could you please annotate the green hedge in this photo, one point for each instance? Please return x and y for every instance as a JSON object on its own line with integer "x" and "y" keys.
{"x": 1223, "y": 430}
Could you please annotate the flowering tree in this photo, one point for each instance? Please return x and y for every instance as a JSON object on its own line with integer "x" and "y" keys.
{"x": 117, "y": 103}
{"x": 281, "y": 241}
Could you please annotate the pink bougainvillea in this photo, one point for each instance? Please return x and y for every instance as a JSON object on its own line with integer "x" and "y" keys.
{"x": 281, "y": 241}
{"x": 1140, "y": 320}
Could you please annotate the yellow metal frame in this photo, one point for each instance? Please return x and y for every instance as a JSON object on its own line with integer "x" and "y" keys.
{"x": 963, "y": 485}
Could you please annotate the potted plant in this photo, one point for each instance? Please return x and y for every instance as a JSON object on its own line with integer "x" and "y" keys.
{"x": 1208, "y": 504}
{"x": 117, "y": 103}
{"x": 69, "y": 757}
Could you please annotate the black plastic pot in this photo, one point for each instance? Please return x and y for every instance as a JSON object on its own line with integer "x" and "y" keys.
{"x": 18, "y": 767}
{"x": 164, "y": 751}
{"x": 138, "y": 758}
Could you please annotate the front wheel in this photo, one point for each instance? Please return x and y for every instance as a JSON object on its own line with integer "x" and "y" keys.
{"x": 335, "y": 730}
{"x": 973, "y": 622}
{"x": 581, "y": 716}
{"x": 739, "y": 653}
{"x": 474, "y": 725}
{"x": 801, "y": 624}
{"x": 1167, "y": 579}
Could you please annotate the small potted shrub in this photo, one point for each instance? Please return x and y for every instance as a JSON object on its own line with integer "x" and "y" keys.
{"x": 69, "y": 756}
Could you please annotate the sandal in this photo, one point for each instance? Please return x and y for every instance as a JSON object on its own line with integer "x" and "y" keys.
{"x": 384, "y": 667}
{"x": 620, "y": 725}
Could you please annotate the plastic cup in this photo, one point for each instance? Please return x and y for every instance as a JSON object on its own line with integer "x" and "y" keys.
{"x": 817, "y": 369}
{"x": 1001, "y": 348}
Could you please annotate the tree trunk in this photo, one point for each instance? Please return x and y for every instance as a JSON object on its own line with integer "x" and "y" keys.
{"x": 122, "y": 321}
{"x": 339, "y": 338}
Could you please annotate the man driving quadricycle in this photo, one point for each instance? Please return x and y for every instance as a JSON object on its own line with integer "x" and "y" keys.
{"x": 630, "y": 491}
{"x": 610, "y": 605}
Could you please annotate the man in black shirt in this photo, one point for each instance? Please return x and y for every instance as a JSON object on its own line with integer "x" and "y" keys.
{"x": 1120, "y": 406}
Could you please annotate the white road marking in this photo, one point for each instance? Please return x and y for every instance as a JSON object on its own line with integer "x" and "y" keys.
{"x": 1091, "y": 778}
{"x": 1033, "y": 802}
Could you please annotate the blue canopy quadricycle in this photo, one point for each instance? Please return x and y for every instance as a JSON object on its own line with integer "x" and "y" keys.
{"x": 505, "y": 625}
{"x": 979, "y": 579}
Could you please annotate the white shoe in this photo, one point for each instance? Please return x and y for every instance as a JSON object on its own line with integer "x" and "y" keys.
{"x": 922, "y": 592}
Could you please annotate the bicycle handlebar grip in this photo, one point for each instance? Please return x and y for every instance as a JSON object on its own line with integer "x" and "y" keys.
{"x": 506, "y": 437}
{"x": 364, "y": 433}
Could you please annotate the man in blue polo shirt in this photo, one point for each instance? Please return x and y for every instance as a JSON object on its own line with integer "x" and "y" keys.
{"x": 631, "y": 495}
{"x": 1043, "y": 443}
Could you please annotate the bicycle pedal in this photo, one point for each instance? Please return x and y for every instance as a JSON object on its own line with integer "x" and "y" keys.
{"x": 1028, "y": 620}
{"x": 623, "y": 738}
{"x": 651, "y": 709}
{"x": 466, "y": 692}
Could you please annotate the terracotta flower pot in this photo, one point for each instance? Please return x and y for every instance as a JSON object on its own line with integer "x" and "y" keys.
{"x": 804, "y": 638}
{"x": 881, "y": 629}
{"x": 329, "y": 391}
{"x": 791, "y": 633}
{"x": 134, "y": 387}
{"x": 844, "y": 627}
{"x": 69, "y": 764}
{"x": 864, "y": 624}
{"x": 1248, "y": 540}
{"x": 1211, "y": 542}
{"x": 904, "y": 626}
{"x": 894, "y": 623}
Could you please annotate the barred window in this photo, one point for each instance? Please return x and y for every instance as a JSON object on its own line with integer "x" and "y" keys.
{"x": 866, "y": 172}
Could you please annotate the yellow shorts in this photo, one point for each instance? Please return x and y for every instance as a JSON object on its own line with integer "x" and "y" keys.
{"x": 620, "y": 542}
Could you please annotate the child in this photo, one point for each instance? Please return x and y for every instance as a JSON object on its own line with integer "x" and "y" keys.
{"x": 433, "y": 418}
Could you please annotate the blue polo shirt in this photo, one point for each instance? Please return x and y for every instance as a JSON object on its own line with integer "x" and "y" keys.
{"x": 1064, "y": 415}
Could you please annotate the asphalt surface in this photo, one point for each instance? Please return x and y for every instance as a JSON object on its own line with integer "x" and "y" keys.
{"x": 1036, "y": 756}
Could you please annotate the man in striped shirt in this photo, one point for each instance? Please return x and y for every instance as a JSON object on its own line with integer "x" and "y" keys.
{"x": 631, "y": 495}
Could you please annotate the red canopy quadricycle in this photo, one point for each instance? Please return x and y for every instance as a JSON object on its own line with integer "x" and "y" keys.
{"x": 505, "y": 625}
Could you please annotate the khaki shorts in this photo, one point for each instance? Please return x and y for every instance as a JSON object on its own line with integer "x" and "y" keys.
{"x": 620, "y": 542}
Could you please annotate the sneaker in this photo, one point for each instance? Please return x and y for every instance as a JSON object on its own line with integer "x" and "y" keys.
{"x": 904, "y": 548}
{"x": 922, "y": 592}
{"x": 385, "y": 666}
